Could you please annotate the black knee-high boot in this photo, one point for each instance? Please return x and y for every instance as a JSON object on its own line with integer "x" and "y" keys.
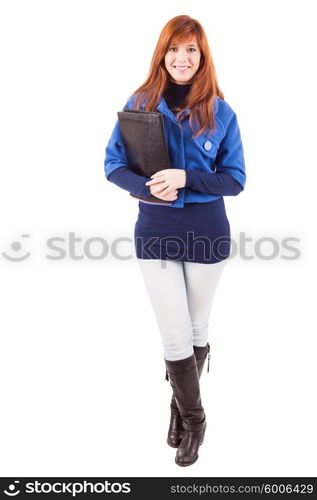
{"x": 176, "y": 429}
{"x": 184, "y": 379}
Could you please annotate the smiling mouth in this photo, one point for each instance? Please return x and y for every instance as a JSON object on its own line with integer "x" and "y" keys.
{"x": 181, "y": 68}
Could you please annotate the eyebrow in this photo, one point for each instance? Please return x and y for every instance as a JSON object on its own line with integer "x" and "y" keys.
{"x": 189, "y": 45}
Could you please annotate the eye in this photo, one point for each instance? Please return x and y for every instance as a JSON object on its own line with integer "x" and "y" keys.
{"x": 191, "y": 49}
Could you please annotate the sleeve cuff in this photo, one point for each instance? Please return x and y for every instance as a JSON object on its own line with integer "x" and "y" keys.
{"x": 190, "y": 174}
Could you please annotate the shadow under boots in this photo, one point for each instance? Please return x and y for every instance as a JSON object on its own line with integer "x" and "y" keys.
{"x": 176, "y": 429}
{"x": 184, "y": 379}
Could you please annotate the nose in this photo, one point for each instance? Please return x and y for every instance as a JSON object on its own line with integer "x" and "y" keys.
{"x": 181, "y": 56}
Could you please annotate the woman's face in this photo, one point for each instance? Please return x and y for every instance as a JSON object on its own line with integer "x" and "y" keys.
{"x": 182, "y": 61}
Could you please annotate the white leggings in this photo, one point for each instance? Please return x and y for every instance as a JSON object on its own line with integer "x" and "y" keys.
{"x": 181, "y": 294}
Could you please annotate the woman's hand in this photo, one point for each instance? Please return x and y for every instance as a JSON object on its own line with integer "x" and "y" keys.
{"x": 161, "y": 192}
{"x": 164, "y": 183}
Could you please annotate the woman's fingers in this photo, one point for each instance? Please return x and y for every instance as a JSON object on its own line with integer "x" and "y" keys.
{"x": 154, "y": 181}
{"x": 161, "y": 189}
{"x": 167, "y": 195}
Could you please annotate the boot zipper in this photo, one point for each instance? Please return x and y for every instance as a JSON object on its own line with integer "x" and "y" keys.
{"x": 208, "y": 350}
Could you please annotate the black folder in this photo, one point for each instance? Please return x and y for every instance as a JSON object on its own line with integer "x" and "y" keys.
{"x": 145, "y": 143}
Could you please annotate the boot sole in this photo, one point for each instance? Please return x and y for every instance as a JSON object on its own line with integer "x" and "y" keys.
{"x": 186, "y": 465}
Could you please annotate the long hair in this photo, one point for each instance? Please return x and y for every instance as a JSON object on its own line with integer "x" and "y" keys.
{"x": 204, "y": 88}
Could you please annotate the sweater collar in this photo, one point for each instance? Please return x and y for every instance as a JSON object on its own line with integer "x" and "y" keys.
{"x": 177, "y": 88}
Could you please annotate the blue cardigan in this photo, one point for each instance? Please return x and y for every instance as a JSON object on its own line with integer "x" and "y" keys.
{"x": 214, "y": 165}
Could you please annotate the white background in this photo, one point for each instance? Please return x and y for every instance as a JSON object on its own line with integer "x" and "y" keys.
{"x": 82, "y": 372}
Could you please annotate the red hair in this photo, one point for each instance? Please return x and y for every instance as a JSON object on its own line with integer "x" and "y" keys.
{"x": 204, "y": 88}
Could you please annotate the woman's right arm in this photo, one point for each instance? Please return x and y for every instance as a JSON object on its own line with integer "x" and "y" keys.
{"x": 127, "y": 179}
{"x": 117, "y": 169}
{"x": 116, "y": 166}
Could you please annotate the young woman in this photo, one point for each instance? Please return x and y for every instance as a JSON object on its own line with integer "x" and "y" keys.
{"x": 182, "y": 247}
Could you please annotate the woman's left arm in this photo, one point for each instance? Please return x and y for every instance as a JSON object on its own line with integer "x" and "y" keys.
{"x": 217, "y": 184}
{"x": 230, "y": 176}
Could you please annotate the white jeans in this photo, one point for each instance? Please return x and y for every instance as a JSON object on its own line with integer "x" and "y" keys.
{"x": 181, "y": 294}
